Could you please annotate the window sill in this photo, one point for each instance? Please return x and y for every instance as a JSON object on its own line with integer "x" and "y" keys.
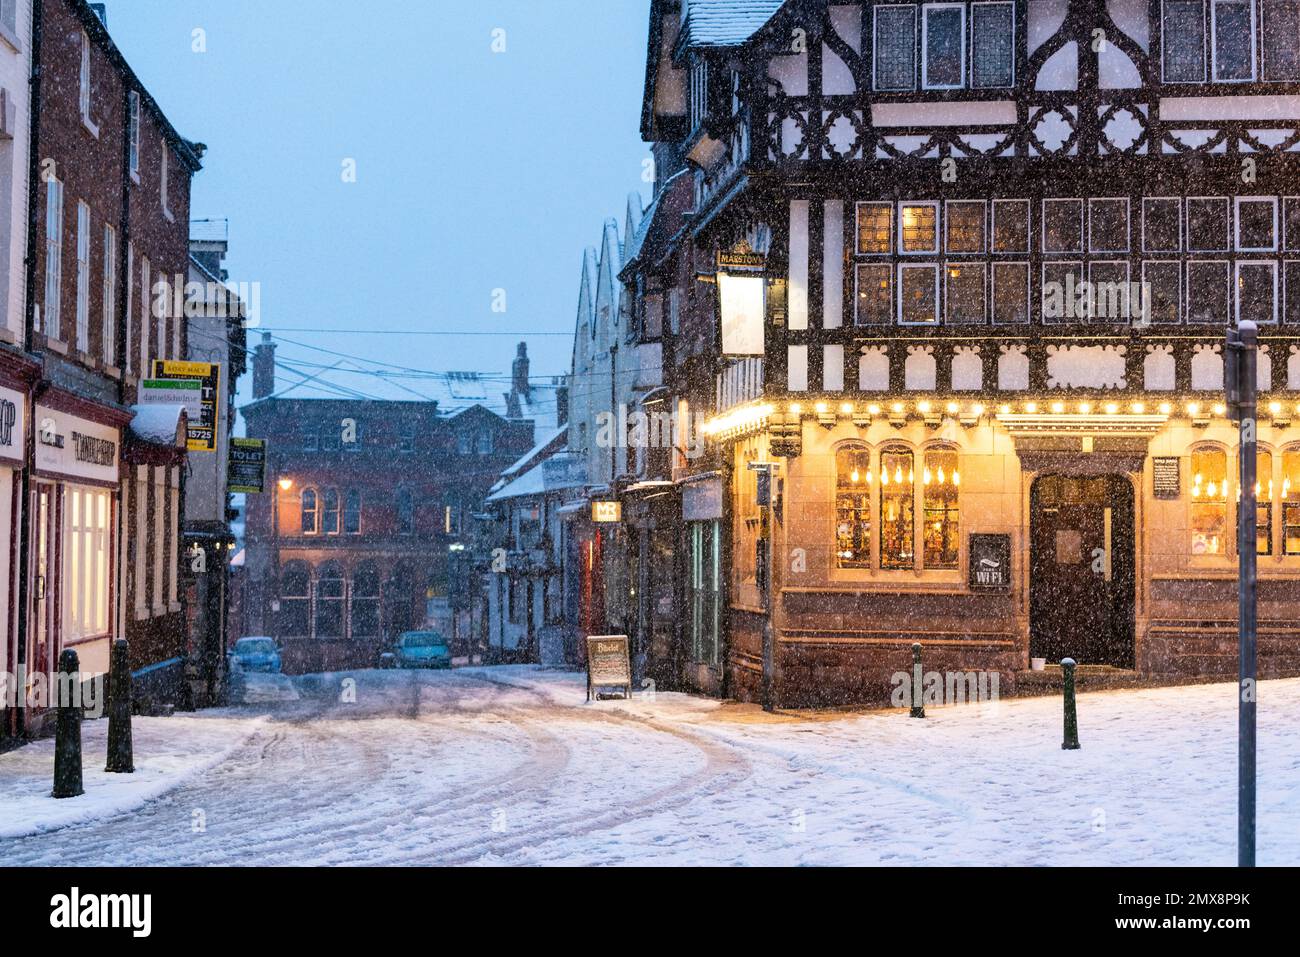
{"x": 11, "y": 38}
{"x": 135, "y": 176}
{"x": 56, "y": 345}
{"x": 89, "y": 126}
{"x": 141, "y": 613}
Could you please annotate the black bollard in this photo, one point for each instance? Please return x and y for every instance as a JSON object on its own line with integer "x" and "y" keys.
{"x": 120, "y": 758}
{"x": 918, "y": 699}
{"x": 1071, "y": 742}
{"x": 67, "y": 728}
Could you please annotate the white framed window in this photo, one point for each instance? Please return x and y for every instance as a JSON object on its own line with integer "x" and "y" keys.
{"x": 1108, "y": 225}
{"x": 918, "y": 294}
{"x": 1162, "y": 224}
{"x": 873, "y": 294}
{"x": 84, "y": 87}
{"x": 1209, "y": 224}
{"x": 1291, "y": 223}
{"x": 83, "y": 277}
{"x": 943, "y": 45}
{"x": 894, "y": 45}
{"x": 9, "y": 17}
{"x": 1109, "y": 292}
{"x": 1010, "y": 294}
{"x": 1281, "y": 39}
{"x": 164, "y": 180}
{"x": 1232, "y": 40}
{"x": 1011, "y": 225}
{"x": 173, "y": 526}
{"x": 965, "y": 226}
{"x": 159, "y": 538}
{"x": 53, "y": 257}
{"x": 1256, "y": 223}
{"x": 86, "y": 560}
{"x": 1207, "y": 292}
{"x": 918, "y": 228}
{"x": 993, "y": 45}
{"x": 141, "y": 540}
{"x": 146, "y": 307}
{"x": 110, "y": 294}
{"x": 875, "y": 229}
{"x": 965, "y": 293}
{"x": 1257, "y": 292}
{"x": 1291, "y": 291}
{"x": 130, "y": 308}
{"x": 1060, "y": 292}
{"x": 1184, "y": 48}
{"x": 133, "y": 131}
{"x": 1164, "y": 279}
{"x": 1062, "y": 225}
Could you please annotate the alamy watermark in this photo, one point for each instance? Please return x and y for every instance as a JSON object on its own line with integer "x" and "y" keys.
{"x": 208, "y": 300}
{"x": 38, "y": 690}
{"x": 638, "y": 429}
{"x": 1130, "y": 301}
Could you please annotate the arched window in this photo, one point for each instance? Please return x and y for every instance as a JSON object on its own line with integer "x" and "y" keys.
{"x": 352, "y": 512}
{"x": 365, "y": 601}
{"x": 405, "y": 512}
{"x": 295, "y": 600}
{"x": 940, "y": 480}
{"x": 330, "y": 596}
{"x": 1290, "y": 497}
{"x": 897, "y": 485}
{"x": 309, "y": 512}
{"x": 853, "y": 481}
{"x": 329, "y": 519}
{"x": 1209, "y": 501}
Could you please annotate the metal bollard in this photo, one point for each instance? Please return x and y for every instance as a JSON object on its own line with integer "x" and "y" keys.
{"x": 67, "y": 731}
{"x": 1071, "y": 742}
{"x": 918, "y": 701}
{"x": 120, "y": 757}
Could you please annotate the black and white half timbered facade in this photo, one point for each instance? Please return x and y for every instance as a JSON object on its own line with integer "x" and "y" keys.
{"x": 966, "y": 271}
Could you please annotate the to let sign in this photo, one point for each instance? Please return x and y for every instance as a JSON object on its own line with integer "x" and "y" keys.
{"x": 608, "y": 664}
{"x": 990, "y": 562}
{"x": 246, "y": 470}
{"x": 1165, "y": 476}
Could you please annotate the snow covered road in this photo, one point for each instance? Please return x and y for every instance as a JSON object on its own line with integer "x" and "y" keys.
{"x": 511, "y": 766}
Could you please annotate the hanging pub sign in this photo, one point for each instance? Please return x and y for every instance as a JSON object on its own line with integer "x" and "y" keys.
{"x": 608, "y": 664}
{"x": 1165, "y": 476}
{"x": 606, "y": 512}
{"x": 990, "y": 562}
{"x": 202, "y": 434}
{"x": 246, "y": 468}
{"x": 742, "y": 300}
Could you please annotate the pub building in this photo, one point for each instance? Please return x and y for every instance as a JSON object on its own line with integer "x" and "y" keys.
{"x": 969, "y": 269}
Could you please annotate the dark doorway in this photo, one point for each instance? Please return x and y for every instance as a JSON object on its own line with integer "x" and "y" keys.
{"x": 1082, "y": 569}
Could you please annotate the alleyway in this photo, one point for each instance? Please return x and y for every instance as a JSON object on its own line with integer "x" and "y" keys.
{"x": 509, "y": 765}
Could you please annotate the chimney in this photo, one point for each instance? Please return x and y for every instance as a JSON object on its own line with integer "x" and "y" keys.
{"x": 519, "y": 377}
{"x": 264, "y": 368}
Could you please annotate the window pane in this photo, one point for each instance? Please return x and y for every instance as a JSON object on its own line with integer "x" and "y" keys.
{"x": 875, "y": 302}
{"x": 1207, "y": 293}
{"x": 1208, "y": 224}
{"x": 1234, "y": 49}
{"x": 1010, "y": 293}
{"x": 1291, "y": 313}
{"x": 992, "y": 45}
{"x": 1184, "y": 41}
{"x": 1160, "y": 225}
{"x": 1165, "y": 289}
{"x": 1062, "y": 225}
{"x": 919, "y": 228}
{"x": 942, "y": 537}
{"x": 853, "y": 481}
{"x": 965, "y": 287}
{"x": 965, "y": 227}
{"x": 1109, "y": 291}
{"x": 1209, "y": 499}
{"x": 919, "y": 299}
{"x": 308, "y": 512}
{"x": 1108, "y": 225}
{"x": 875, "y": 227}
{"x": 1257, "y": 292}
{"x": 1256, "y": 229}
{"x": 1290, "y": 495}
{"x": 944, "y": 27}
{"x": 1011, "y": 226}
{"x": 1281, "y": 36}
{"x": 895, "y": 48}
{"x": 1263, "y": 503}
{"x": 1291, "y": 217}
{"x": 1060, "y": 293}
{"x": 896, "y": 503}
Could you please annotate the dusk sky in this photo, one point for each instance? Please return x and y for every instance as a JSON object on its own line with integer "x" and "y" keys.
{"x": 475, "y": 170}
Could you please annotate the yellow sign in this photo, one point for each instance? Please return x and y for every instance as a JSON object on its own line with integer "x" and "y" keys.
{"x": 607, "y": 511}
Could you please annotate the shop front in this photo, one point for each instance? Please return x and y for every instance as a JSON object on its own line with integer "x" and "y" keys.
{"x": 13, "y": 435}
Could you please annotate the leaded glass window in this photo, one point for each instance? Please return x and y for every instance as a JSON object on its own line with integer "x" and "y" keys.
{"x": 895, "y": 47}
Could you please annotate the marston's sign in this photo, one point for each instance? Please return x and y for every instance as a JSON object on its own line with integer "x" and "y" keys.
{"x": 608, "y": 664}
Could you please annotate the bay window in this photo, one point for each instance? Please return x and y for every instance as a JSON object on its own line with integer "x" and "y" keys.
{"x": 897, "y": 494}
{"x": 1257, "y": 292}
{"x": 1209, "y": 501}
{"x": 1207, "y": 292}
{"x": 940, "y": 480}
{"x": 1183, "y": 41}
{"x": 853, "y": 481}
{"x": 964, "y": 229}
{"x": 918, "y": 228}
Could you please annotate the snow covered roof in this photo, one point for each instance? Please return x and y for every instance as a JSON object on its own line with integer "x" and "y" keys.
{"x": 161, "y": 424}
{"x": 721, "y": 23}
{"x": 544, "y": 438}
{"x": 563, "y": 470}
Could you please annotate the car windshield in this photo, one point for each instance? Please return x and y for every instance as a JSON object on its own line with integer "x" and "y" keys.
{"x": 256, "y": 646}
{"x": 423, "y": 641}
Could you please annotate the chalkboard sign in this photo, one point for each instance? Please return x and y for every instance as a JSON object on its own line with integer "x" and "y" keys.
{"x": 608, "y": 664}
{"x": 990, "y": 562}
{"x": 1165, "y": 476}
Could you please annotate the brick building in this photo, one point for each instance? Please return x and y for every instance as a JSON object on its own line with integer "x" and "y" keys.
{"x": 369, "y": 516}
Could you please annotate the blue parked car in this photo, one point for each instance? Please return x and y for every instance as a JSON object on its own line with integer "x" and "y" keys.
{"x": 422, "y": 649}
{"x": 258, "y": 654}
